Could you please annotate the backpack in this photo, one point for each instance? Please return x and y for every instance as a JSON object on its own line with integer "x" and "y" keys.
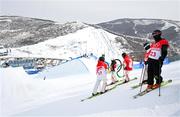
{"x": 113, "y": 65}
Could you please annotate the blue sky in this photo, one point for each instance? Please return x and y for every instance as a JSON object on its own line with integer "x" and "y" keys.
{"x": 92, "y": 11}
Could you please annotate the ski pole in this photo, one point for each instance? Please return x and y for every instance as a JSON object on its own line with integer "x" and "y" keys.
{"x": 140, "y": 82}
{"x": 159, "y": 78}
{"x": 159, "y": 89}
{"x": 143, "y": 72}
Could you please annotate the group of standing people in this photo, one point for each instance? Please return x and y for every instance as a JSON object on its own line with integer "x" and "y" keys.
{"x": 153, "y": 60}
{"x": 102, "y": 69}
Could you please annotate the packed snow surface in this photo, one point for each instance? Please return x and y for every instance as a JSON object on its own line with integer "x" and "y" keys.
{"x": 60, "y": 94}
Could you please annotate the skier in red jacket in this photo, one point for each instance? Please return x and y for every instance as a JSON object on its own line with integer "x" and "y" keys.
{"x": 158, "y": 52}
{"x": 101, "y": 73}
{"x": 128, "y": 64}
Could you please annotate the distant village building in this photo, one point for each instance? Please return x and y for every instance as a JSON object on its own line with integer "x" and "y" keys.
{"x": 3, "y": 51}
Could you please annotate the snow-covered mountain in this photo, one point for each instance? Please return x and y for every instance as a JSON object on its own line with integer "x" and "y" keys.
{"x": 16, "y": 31}
{"x": 137, "y": 31}
{"x": 32, "y": 36}
{"x": 144, "y": 27}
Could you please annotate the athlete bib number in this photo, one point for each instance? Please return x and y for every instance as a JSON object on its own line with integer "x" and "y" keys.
{"x": 155, "y": 54}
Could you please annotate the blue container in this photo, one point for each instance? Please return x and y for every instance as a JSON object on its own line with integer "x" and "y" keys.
{"x": 166, "y": 61}
{"x": 32, "y": 71}
{"x": 137, "y": 66}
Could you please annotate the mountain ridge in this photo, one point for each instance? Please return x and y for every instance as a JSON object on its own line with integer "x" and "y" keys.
{"x": 144, "y": 27}
{"x": 16, "y": 31}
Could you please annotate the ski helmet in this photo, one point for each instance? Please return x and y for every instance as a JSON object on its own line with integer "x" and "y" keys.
{"x": 101, "y": 58}
{"x": 157, "y": 35}
{"x": 157, "y": 32}
{"x": 123, "y": 54}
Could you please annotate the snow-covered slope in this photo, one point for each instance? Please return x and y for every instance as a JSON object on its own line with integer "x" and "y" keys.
{"x": 86, "y": 41}
{"x": 21, "y": 91}
{"x": 61, "y": 96}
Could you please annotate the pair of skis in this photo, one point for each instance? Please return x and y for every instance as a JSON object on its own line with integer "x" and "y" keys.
{"x": 141, "y": 93}
{"x": 113, "y": 86}
{"x": 109, "y": 88}
{"x": 164, "y": 83}
{"x": 136, "y": 86}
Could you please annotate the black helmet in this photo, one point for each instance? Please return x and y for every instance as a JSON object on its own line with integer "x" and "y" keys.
{"x": 146, "y": 46}
{"x": 123, "y": 54}
{"x": 113, "y": 61}
{"x": 157, "y": 35}
{"x": 101, "y": 58}
{"x": 157, "y": 32}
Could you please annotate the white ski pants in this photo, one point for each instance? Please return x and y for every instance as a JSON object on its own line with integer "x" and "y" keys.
{"x": 98, "y": 85}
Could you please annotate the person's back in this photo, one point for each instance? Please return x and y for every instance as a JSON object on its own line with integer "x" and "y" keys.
{"x": 101, "y": 76}
{"x": 113, "y": 65}
{"x": 113, "y": 72}
{"x": 101, "y": 69}
{"x": 128, "y": 63}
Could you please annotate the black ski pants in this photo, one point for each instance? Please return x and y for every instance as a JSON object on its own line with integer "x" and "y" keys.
{"x": 154, "y": 72}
